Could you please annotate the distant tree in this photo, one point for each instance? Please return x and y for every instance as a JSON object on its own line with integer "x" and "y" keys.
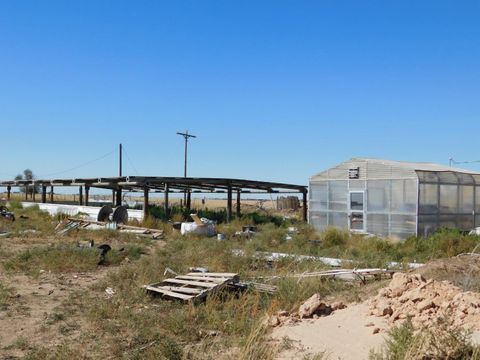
{"x": 28, "y": 175}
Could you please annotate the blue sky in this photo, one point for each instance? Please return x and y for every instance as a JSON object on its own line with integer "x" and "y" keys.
{"x": 275, "y": 90}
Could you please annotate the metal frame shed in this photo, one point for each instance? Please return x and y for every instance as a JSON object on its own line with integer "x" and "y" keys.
{"x": 394, "y": 198}
{"x": 165, "y": 185}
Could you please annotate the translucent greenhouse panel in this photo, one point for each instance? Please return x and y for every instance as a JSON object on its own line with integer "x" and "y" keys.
{"x": 404, "y": 196}
{"x": 378, "y": 194}
{"x": 465, "y": 197}
{"x": 318, "y": 220}
{"x": 377, "y": 224}
{"x": 338, "y": 220}
{"x": 427, "y": 224}
{"x": 465, "y": 222}
{"x": 477, "y": 220}
{"x": 357, "y": 184}
{"x": 448, "y": 221}
{"x": 447, "y": 177}
{"x": 428, "y": 199}
{"x": 477, "y": 199}
{"x": 426, "y": 176}
{"x": 338, "y": 195}
{"x": 402, "y": 226}
{"x": 448, "y": 199}
{"x": 466, "y": 179}
{"x": 318, "y": 196}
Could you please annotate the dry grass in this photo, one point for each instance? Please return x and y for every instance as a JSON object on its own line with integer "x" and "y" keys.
{"x": 134, "y": 325}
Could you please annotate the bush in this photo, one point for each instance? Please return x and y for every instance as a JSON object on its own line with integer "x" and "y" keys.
{"x": 334, "y": 237}
{"x": 220, "y": 216}
{"x": 435, "y": 342}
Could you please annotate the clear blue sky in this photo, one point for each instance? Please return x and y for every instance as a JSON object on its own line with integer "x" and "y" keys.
{"x": 275, "y": 90}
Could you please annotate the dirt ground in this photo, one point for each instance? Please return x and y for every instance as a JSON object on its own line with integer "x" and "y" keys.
{"x": 34, "y": 313}
{"x": 353, "y": 332}
{"x": 346, "y": 334}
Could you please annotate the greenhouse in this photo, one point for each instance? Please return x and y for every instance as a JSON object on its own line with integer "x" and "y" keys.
{"x": 393, "y": 198}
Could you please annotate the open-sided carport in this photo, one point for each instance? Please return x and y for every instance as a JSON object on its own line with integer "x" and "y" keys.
{"x": 165, "y": 185}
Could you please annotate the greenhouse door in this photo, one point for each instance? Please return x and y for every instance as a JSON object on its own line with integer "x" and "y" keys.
{"x": 356, "y": 213}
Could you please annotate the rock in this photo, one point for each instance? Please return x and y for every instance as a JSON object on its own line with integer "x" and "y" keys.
{"x": 338, "y": 305}
{"x": 369, "y": 324}
{"x": 384, "y": 309}
{"x": 309, "y": 307}
{"x": 273, "y": 321}
{"x": 376, "y": 331}
{"x": 397, "y": 291}
{"x": 399, "y": 280}
{"x": 425, "y": 305}
{"x": 324, "y": 310}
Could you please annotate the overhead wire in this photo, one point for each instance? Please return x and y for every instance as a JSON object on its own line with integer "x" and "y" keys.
{"x": 465, "y": 162}
{"x": 130, "y": 160}
{"x": 81, "y": 165}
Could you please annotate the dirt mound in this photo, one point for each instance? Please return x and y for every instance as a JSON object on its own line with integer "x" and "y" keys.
{"x": 314, "y": 308}
{"x": 426, "y": 302}
{"x": 462, "y": 270}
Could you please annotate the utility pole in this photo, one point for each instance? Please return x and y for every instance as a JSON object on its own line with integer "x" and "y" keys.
{"x": 118, "y": 200}
{"x": 186, "y": 196}
{"x": 450, "y": 161}
{"x": 120, "y": 160}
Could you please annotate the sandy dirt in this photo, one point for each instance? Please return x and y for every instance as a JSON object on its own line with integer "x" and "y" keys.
{"x": 34, "y": 314}
{"x": 342, "y": 335}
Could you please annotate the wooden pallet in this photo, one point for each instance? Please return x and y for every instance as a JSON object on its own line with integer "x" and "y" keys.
{"x": 194, "y": 286}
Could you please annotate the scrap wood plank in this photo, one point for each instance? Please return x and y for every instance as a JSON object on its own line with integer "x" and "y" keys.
{"x": 192, "y": 287}
{"x": 202, "y": 278}
{"x": 173, "y": 294}
{"x": 208, "y": 274}
{"x": 180, "y": 289}
{"x": 190, "y": 282}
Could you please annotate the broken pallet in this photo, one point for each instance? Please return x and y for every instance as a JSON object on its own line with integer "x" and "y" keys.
{"x": 194, "y": 286}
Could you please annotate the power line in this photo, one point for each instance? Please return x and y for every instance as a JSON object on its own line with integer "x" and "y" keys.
{"x": 130, "y": 160}
{"x": 79, "y": 166}
{"x": 454, "y": 162}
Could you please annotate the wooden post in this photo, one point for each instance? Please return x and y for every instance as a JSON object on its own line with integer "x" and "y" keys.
{"x": 26, "y": 192}
{"x": 33, "y": 192}
{"x": 165, "y": 203}
{"x": 238, "y": 203}
{"x": 80, "y": 195}
{"x": 9, "y": 190}
{"x": 114, "y": 194}
{"x": 51, "y": 194}
{"x": 118, "y": 196}
{"x": 189, "y": 199}
{"x": 305, "y": 204}
{"x": 44, "y": 194}
{"x": 229, "y": 203}
{"x": 145, "y": 203}
{"x": 87, "y": 190}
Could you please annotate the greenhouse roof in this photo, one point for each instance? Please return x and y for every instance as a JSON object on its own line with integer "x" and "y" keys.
{"x": 417, "y": 166}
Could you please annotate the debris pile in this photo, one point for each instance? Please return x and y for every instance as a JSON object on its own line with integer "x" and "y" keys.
{"x": 314, "y": 308}
{"x": 426, "y": 302}
{"x": 6, "y": 214}
{"x": 199, "y": 226}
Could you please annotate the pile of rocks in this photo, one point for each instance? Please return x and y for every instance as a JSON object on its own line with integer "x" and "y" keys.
{"x": 313, "y": 308}
{"x": 426, "y": 301}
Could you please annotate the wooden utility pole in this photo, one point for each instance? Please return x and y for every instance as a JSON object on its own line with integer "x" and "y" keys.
{"x": 186, "y": 196}
{"x": 119, "y": 190}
